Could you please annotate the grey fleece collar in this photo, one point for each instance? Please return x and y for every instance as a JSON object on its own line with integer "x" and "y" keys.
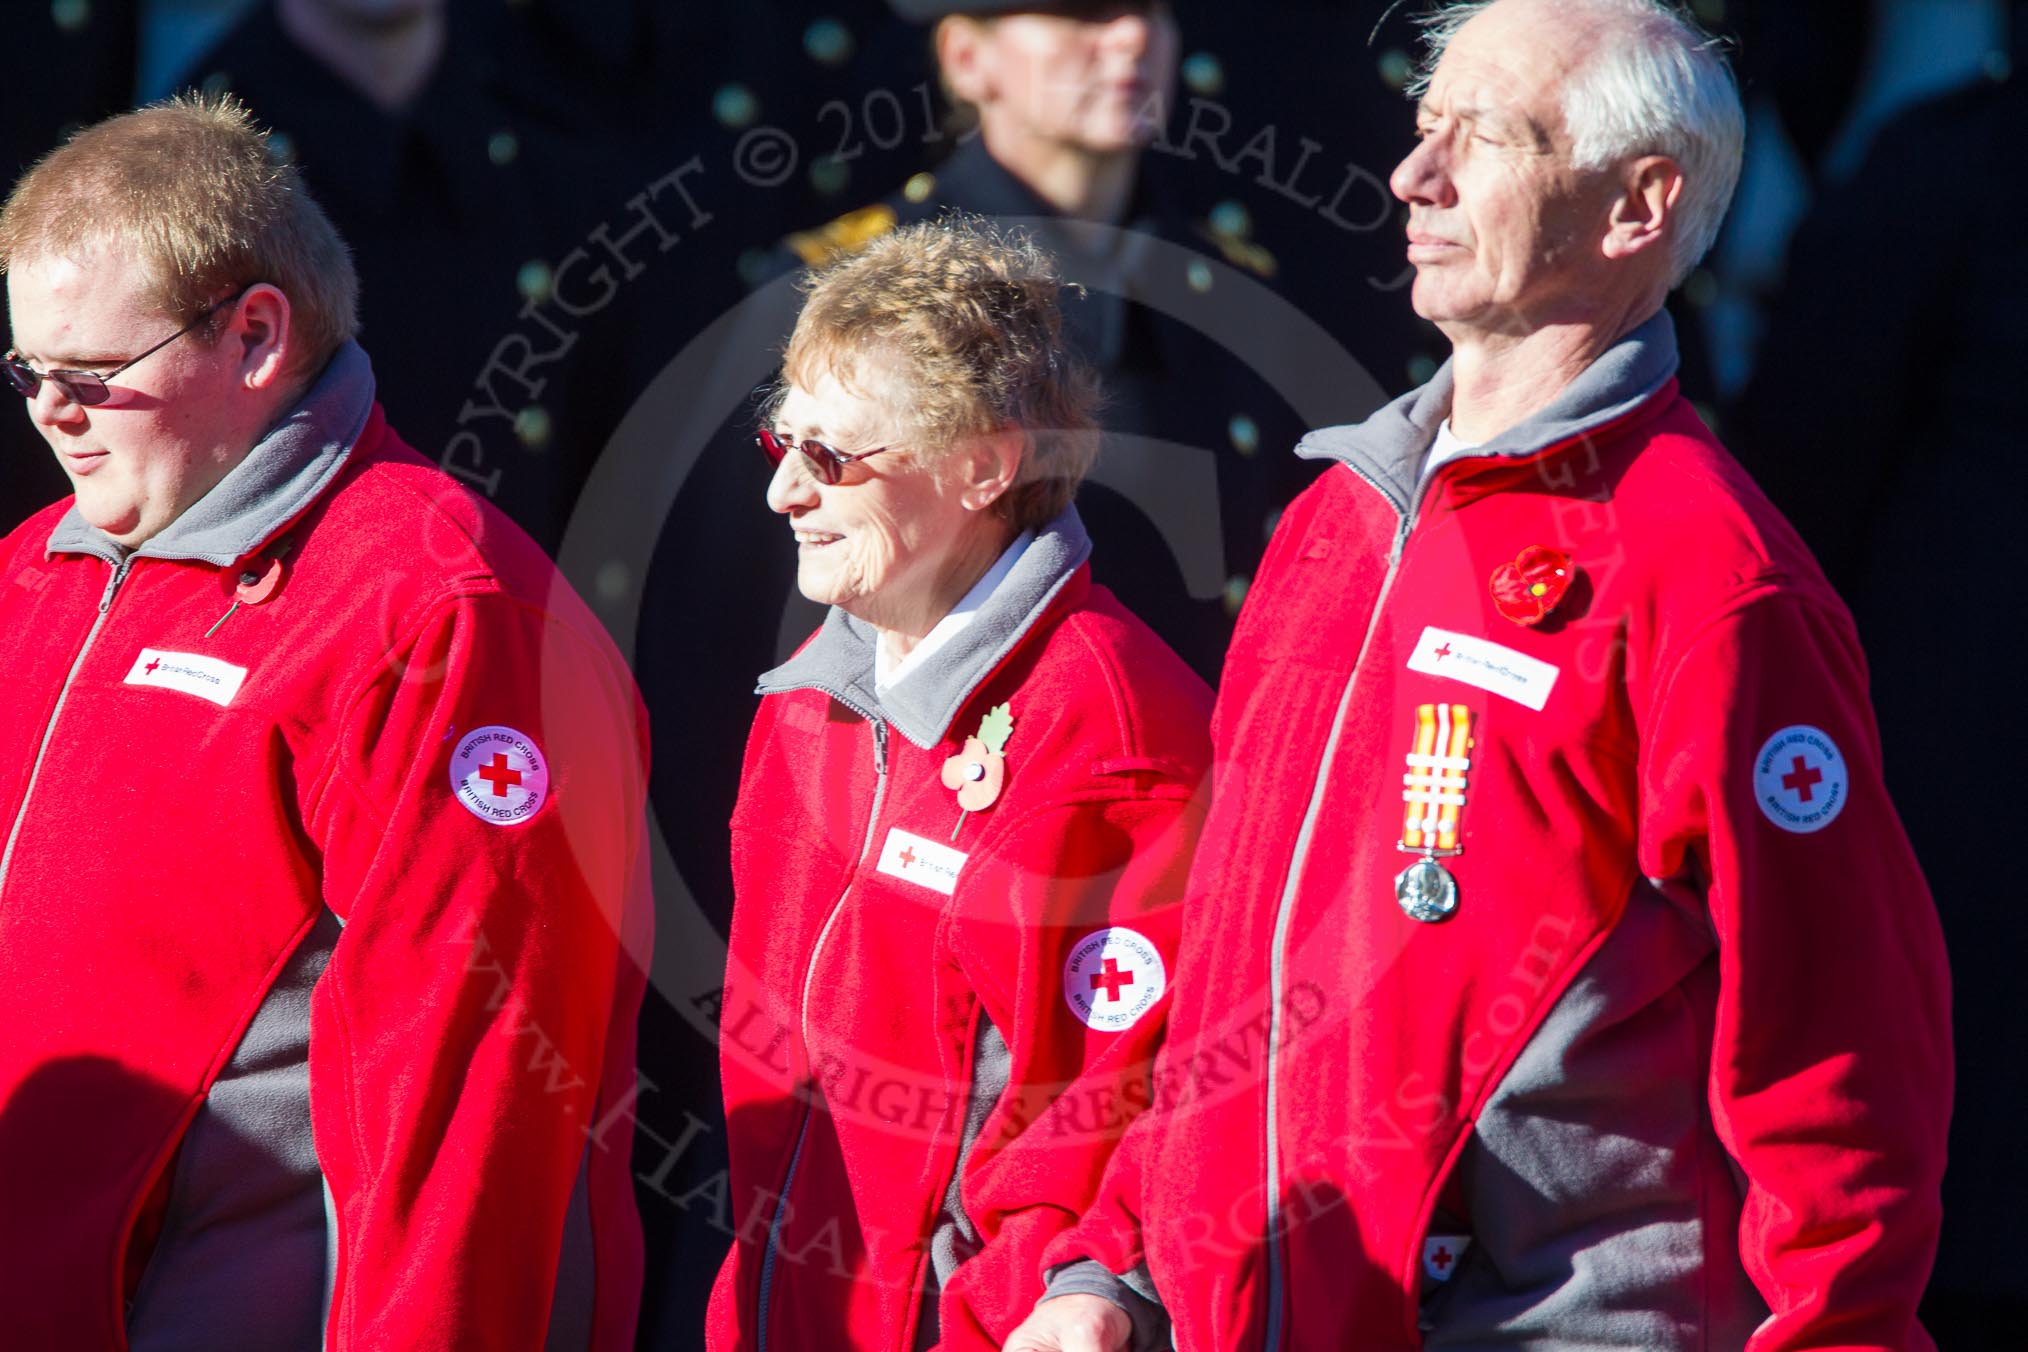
{"x": 288, "y": 467}
{"x": 1388, "y": 448}
{"x": 839, "y": 660}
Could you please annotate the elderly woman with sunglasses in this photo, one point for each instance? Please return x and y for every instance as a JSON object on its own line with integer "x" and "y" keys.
{"x": 967, "y": 811}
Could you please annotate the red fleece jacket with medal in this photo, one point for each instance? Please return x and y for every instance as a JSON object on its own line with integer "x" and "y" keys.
{"x": 381, "y": 815}
{"x": 896, "y": 903}
{"x": 1550, "y": 854}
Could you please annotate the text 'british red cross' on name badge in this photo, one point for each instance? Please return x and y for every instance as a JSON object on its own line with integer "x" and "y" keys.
{"x": 1433, "y": 792}
{"x": 208, "y": 678}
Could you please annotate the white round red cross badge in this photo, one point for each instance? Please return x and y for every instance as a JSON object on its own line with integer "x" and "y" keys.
{"x": 499, "y": 775}
{"x": 1112, "y": 978}
{"x": 1800, "y": 779}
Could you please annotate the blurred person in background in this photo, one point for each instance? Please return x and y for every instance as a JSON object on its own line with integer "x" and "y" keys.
{"x": 461, "y": 181}
{"x": 968, "y": 806}
{"x": 520, "y": 233}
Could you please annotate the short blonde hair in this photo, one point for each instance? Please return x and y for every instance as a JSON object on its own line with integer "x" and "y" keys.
{"x": 191, "y": 188}
{"x": 960, "y": 321}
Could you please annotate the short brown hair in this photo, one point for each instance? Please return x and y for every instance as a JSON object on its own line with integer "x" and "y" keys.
{"x": 191, "y": 187}
{"x": 964, "y": 316}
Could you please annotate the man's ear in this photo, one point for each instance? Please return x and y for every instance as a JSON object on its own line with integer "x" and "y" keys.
{"x": 962, "y": 58}
{"x": 989, "y": 466}
{"x": 1643, "y": 216}
{"x": 259, "y": 328}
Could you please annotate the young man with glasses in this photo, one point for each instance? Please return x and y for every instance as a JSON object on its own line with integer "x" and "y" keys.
{"x": 135, "y": 493}
{"x": 319, "y": 814}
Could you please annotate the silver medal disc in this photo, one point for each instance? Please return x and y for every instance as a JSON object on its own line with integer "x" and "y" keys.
{"x": 1426, "y": 891}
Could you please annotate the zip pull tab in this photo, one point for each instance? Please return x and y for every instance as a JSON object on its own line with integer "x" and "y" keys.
{"x": 880, "y": 748}
{"x": 113, "y": 584}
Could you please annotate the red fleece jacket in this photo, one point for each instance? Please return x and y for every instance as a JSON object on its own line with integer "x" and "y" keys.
{"x": 1703, "y": 723}
{"x": 186, "y": 799}
{"x": 858, "y": 981}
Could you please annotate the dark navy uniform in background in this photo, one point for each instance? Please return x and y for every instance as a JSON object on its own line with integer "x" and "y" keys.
{"x": 461, "y": 209}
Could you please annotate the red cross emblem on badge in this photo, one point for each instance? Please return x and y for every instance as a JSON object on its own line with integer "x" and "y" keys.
{"x": 1110, "y": 979}
{"x": 1441, "y": 1253}
{"x": 1099, "y": 971}
{"x": 907, "y": 856}
{"x": 500, "y": 774}
{"x": 1802, "y": 779}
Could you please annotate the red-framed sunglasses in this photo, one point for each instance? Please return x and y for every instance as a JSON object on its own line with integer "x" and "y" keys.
{"x": 826, "y": 462}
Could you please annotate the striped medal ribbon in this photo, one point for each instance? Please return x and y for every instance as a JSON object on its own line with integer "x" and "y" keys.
{"x": 1433, "y": 795}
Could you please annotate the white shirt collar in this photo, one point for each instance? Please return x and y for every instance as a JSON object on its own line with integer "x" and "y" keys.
{"x": 888, "y": 670}
{"x": 1446, "y": 448}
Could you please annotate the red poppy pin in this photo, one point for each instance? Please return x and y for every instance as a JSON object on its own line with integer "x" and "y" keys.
{"x": 1526, "y": 590}
{"x": 979, "y": 771}
{"x": 258, "y": 580}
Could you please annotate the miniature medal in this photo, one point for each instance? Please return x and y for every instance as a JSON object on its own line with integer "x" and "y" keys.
{"x": 1433, "y": 791}
{"x": 1426, "y": 891}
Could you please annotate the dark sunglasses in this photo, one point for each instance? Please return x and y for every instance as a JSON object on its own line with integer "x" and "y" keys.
{"x": 88, "y": 387}
{"x": 825, "y": 462}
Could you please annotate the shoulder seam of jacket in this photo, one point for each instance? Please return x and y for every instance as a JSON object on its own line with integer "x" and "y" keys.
{"x": 1765, "y": 587}
{"x": 420, "y": 615}
{"x": 1123, "y": 720}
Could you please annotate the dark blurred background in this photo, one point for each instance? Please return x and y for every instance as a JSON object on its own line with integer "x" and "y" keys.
{"x": 567, "y": 215}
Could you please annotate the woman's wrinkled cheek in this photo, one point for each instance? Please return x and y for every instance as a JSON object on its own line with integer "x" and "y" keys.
{"x": 876, "y": 552}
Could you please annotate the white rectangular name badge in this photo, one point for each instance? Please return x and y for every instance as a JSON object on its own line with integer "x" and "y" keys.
{"x": 923, "y": 862}
{"x": 193, "y": 674}
{"x": 1485, "y": 664}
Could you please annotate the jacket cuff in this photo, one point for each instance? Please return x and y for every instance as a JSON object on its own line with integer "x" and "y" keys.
{"x": 1133, "y": 1292}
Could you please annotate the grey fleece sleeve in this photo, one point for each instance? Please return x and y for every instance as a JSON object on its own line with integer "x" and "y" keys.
{"x": 1133, "y": 1292}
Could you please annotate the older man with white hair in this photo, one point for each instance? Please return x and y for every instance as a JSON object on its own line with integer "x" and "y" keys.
{"x": 1559, "y": 974}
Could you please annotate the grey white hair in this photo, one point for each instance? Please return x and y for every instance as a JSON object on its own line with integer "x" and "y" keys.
{"x": 1657, "y": 85}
